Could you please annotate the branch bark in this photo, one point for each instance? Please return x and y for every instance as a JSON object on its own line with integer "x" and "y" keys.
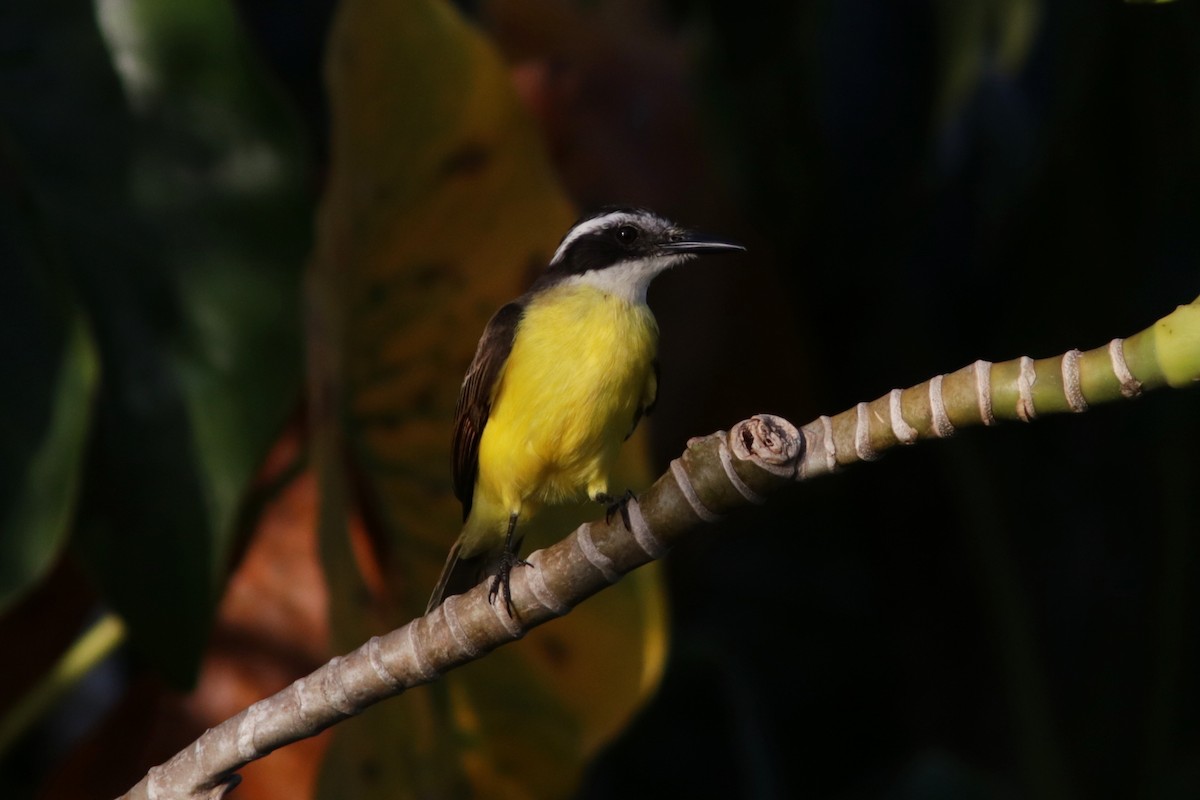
{"x": 715, "y": 475}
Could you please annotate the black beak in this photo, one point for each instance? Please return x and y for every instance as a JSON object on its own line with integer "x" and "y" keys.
{"x": 689, "y": 242}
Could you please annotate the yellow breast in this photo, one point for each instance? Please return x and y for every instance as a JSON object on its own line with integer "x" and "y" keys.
{"x": 580, "y": 367}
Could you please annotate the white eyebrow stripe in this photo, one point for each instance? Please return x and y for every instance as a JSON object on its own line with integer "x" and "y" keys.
{"x": 592, "y": 225}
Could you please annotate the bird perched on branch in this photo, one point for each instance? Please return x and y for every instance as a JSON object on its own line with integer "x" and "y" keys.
{"x": 560, "y": 379}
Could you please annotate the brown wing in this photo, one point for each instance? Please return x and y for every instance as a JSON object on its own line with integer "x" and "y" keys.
{"x": 649, "y": 398}
{"x": 475, "y": 398}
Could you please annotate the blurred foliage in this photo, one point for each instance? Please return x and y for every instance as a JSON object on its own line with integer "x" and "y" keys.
{"x": 159, "y": 220}
{"x": 1009, "y": 614}
{"x": 45, "y": 425}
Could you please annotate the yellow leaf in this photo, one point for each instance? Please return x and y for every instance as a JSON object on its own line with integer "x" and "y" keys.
{"x": 441, "y": 206}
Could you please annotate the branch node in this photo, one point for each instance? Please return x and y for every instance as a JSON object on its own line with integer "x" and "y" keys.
{"x": 645, "y": 538}
{"x": 509, "y": 622}
{"x": 1130, "y": 386}
{"x": 1071, "y": 382}
{"x": 818, "y": 439}
{"x": 689, "y": 493}
{"x": 1025, "y": 381}
{"x": 745, "y": 491}
{"x": 300, "y": 692}
{"x": 541, "y": 590}
{"x": 983, "y": 389}
{"x": 904, "y": 433}
{"x": 943, "y": 428}
{"x": 424, "y": 669}
{"x": 603, "y": 564}
{"x": 449, "y": 610}
{"x": 862, "y": 433}
{"x": 152, "y": 775}
{"x": 246, "y": 728}
{"x": 379, "y": 663}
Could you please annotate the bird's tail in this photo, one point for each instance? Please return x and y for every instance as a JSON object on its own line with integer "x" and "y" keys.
{"x": 460, "y": 574}
{"x": 478, "y": 552}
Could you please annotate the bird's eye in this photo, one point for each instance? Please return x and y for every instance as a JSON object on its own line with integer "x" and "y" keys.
{"x": 627, "y": 234}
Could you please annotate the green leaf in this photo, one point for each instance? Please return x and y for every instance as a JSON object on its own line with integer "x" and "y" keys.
{"x": 175, "y": 194}
{"x": 974, "y": 37}
{"x": 50, "y": 366}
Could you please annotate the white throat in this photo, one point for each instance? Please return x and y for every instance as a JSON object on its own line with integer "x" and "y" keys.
{"x": 628, "y": 280}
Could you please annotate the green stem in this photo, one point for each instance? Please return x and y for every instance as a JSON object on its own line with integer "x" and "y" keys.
{"x": 96, "y": 644}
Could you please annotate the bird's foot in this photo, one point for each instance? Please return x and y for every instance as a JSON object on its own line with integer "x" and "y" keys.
{"x": 615, "y": 505}
{"x": 508, "y": 560}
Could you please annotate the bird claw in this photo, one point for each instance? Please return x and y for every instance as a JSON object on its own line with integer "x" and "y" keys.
{"x": 503, "y": 579}
{"x": 615, "y": 505}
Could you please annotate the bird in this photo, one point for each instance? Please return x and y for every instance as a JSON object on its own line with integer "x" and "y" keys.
{"x": 561, "y": 377}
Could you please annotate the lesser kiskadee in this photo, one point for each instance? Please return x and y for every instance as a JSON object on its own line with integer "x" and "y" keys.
{"x": 560, "y": 379}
